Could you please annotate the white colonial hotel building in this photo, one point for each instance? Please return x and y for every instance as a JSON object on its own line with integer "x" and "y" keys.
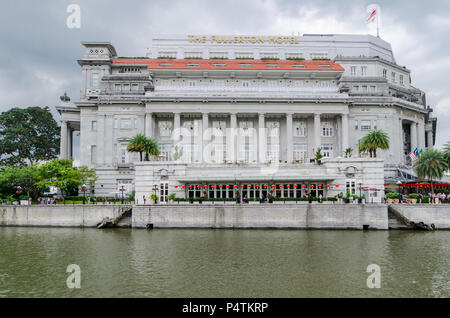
{"x": 247, "y": 111}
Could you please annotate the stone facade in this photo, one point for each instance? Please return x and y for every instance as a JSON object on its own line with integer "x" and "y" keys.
{"x": 254, "y": 106}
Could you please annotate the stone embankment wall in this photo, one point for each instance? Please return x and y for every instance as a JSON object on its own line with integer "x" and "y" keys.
{"x": 58, "y": 216}
{"x": 439, "y": 214}
{"x": 315, "y": 216}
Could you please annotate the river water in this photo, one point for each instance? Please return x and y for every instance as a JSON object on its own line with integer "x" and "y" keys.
{"x": 222, "y": 263}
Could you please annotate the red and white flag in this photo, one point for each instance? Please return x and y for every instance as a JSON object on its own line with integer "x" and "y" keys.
{"x": 372, "y": 15}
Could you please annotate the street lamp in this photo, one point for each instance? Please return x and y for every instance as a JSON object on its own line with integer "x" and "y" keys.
{"x": 155, "y": 188}
{"x": 122, "y": 189}
{"x": 84, "y": 189}
{"x": 360, "y": 192}
{"x": 399, "y": 183}
{"x": 18, "y": 192}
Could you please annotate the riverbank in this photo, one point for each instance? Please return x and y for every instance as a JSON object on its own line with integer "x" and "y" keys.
{"x": 299, "y": 216}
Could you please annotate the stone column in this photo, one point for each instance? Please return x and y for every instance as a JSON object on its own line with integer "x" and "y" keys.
{"x": 100, "y": 139}
{"x": 289, "y": 138}
{"x": 176, "y": 126}
{"x": 430, "y": 139}
{"x": 231, "y": 138}
{"x": 344, "y": 122}
{"x": 69, "y": 143}
{"x": 401, "y": 145}
{"x": 63, "y": 141}
{"x": 262, "y": 138}
{"x": 421, "y": 135}
{"x": 148, "y": 125}
{"x": 317, "y": 134}
{"x": 413, "y": 134}
{"x": 205, "y": 138}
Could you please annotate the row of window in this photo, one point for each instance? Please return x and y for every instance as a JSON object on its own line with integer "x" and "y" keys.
{"x": 240, "y": 55}
{"x": 244, "y": 83}
{"x": 393, "y": 77}
{"x": 124, "y": 123}
{"x": 364, "y": 89}
{"x": 362, "y": 71}
{"x": 126, "y": 87}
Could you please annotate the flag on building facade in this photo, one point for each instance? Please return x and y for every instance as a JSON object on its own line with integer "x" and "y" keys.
{"x": 414, "y": 154}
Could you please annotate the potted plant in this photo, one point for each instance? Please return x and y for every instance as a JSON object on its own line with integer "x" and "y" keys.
{"x": 154, "y": 198}
{"x": 392, "y": 197}
{"x": 347, "y": 197}
{"x": 171, "y": 198}
{"x": 413, "y": 197}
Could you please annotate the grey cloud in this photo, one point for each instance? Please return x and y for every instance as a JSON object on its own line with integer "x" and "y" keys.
{"x": 39, "y": 53}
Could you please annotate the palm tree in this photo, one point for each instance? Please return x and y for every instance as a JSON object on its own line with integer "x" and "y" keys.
{"x": 151, "y": 148}
{"x": 372, "y": 141}
{"x": 447, "y": 154}
{"x": 431, "y": 164}
{"x": 348, "y": 152}
{"x": 137, "y": 144}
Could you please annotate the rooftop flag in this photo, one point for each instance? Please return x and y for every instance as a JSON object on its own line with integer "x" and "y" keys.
{"x": 373, "y": 14}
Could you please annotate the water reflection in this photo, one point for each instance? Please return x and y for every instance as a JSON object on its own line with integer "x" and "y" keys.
{"x": 222, "y": 263}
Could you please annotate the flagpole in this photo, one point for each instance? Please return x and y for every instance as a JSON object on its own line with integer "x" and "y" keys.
{"x": 378, "y": 23}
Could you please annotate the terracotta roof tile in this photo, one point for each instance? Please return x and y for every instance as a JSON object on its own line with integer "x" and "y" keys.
{"x": 256, "y": 65}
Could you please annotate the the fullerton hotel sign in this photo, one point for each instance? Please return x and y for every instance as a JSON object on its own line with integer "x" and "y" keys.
{"x": 240, "y": 39}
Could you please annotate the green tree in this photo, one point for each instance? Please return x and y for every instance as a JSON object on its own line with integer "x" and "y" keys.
{"x": 151, "y": 148}
{"x": 25, "y": 177}
{"x": 319, "y": 156}
{"x": 446, "y": 151}
{"x": 137, "y": 144}
{"x": 431, "y": 165}
{"x": 348, "y": 152}
{"x": 28, "y": 136}
{"x": 372, "y": 141}
{"x": 60, "y": 173}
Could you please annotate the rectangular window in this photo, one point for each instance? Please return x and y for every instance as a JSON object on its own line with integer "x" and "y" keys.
{"x": 385, "y": 73}
{"x": 327, "y": 129}
{"x": 117, "y": 87}
{"x": 134, "y": 87}
{"x": 293, "y": 56}
{"x": 167, "y": 54}
{"x": 393, "y": 77}
{"x": 126, "y": 87}
{"x": 269, "y": 56}
{"x": 374, "y": 125}
{"x": 401, "y": 79}
{"x": 364, "y": 88}
{"x": 363, "y": 70}
{"x": 125, "y": 124}
{"x": 365, "y": 125}
{"x": 135, "y": 123}
{"x": 116, "y": 123}
{"x": 193, "y": 55}
{"x": 350, "y": 186}
{"x": 353, "y": 70}
{"x": 95, "y": 80}
{"x": 93, "y": 154}
{"x": 356, "y": 125}
{"x": 300, "y": 152}
{"x": 373, "y": 89}
{"x": 327, "y": 151}
{"x": 356, "y": 88}
{"x": 300, "y": 129}
{"x": 93, "y": 125}
{"x": 244, "y": 55}
{"x": 165, "y": 128}
{"x": 218, "y": 55}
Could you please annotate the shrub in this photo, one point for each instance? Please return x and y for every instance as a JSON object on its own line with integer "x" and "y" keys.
{"x": 393, "y": 195}
{"x": 413, "y": 196}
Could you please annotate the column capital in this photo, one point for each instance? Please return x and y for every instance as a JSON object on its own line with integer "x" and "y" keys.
{"x": 290, "y": 114}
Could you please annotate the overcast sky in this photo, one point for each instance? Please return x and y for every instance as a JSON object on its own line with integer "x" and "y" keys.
{"x": 38, "y": 52}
